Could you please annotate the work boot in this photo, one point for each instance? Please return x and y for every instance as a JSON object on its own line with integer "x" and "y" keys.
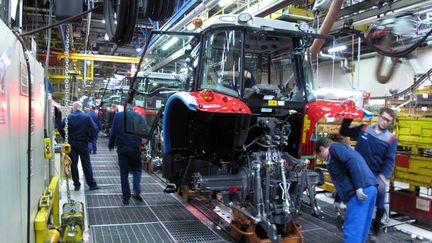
{"x": 376, "y": 224}
{"x": 125, "y": 201}
{"x": 137, "y": 197}
{"x": 77, "y": 188}
{"x": 95, "y": 187}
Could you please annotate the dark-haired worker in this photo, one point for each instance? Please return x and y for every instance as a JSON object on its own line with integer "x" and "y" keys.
{"x": 355, "y": 185}
{"x": 378, "y": 147}
{"x": 128, "y": 151}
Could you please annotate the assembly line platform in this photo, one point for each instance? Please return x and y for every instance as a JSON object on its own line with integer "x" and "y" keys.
{"x": 160, "y": 218}
{"x": 164, "y": 217}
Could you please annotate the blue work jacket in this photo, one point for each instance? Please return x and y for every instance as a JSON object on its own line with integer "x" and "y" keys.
{"x": 348, "y": 171}
{"x": 119, "y": 137}
{"x": 95, "y": 119}
{"x": 378, "y": 149}
{"x": 81, "y": 127}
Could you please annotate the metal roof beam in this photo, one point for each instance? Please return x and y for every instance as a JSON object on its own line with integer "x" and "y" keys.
{"x": 100, "y": 58}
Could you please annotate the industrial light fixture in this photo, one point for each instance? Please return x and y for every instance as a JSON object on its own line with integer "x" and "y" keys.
{"x": 190, "y": 27}
{"x": 244, "y": 17}
{"x": 106, "y": 37}
{"x": 103, "y": 21}
{"x": 337, "y": 48}
{"x": 224, "y": 3}
{"x": 169, "y": 43}
{"x": 139, "y": 49}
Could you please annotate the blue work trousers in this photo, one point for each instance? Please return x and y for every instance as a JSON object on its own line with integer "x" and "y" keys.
{"x": 92, "y": 145}
{"x": 129, "y": 161}
{"x": 382, "y": 191}
{"x": 80, "y": 148}
{"x": 358, "y": 217}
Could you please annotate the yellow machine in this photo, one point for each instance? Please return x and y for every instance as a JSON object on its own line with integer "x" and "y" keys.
{"x": 47, "y": 148}
{"x": 73, "y": 221}
{"x": 72, "y": 217}
{"x": 48, "y": 205}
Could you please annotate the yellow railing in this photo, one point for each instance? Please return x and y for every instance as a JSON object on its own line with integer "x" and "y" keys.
{"x": 56, "y": 73}
{"x": 49, "y": 205}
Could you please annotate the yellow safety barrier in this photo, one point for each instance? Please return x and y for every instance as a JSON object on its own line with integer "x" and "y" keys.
{"x": 49, "y": 205}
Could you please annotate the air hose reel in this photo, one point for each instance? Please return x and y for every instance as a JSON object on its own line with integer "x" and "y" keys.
{"x": 121, "y": 16}
{"x": 120, "y": 19}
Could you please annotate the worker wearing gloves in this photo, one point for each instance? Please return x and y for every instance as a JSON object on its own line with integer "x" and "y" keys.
{"x": 355, "y": 185}
{"x": 378, "y": 147}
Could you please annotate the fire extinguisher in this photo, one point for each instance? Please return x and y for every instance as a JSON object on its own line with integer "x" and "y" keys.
{"x": 47, "y": 146}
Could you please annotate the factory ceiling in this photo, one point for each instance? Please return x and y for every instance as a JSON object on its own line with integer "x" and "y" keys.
{"x": 359, "y": 14}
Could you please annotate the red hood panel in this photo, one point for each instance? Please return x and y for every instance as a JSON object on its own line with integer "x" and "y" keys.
{"x": 319, "y": 109}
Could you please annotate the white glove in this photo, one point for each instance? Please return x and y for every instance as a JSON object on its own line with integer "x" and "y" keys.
{"x": 360, "y": 194}
{"x": 337, "y": 205}
{"x": 385, "y": 180}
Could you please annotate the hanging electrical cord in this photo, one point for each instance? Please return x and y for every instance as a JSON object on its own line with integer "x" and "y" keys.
{"x": 46, "y": 79}
{"x": 29, "y": 131}
{"x": 383, "y": 52}
{"x": 416, "y": 84}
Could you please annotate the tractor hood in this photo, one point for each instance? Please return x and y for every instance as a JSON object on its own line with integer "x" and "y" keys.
{"x": 319, "y": 109}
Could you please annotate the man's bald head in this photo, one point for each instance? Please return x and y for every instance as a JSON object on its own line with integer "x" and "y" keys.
{"x": 77, "y": 106}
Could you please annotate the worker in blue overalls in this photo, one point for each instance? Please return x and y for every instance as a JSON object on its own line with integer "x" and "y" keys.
{"x": 81, "y": 129}
{"x": 128, "y": 150}
{"x": 93, "y": 143}
{"x": 355, "y": 185}
{"x": 378, "y": 147}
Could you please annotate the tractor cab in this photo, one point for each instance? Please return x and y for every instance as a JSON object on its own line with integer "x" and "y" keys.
{"x": 237, "y": 124}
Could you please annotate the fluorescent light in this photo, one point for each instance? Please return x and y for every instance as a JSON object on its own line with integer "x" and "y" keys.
{"x": 191, "y": 26}
{"x": 106, "y": 37}
{"x": 223, "y": 3}
{"x": 169, "y": 43}
{"x": 336, "y": 49}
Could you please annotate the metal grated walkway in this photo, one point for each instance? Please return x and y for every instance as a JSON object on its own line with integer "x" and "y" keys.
{"x": 160, "y": 218}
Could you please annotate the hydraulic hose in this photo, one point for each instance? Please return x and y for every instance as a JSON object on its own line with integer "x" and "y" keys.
{"x": 29, "y": 130}
{"x": 383, "y": 52}
{"x": 417, "y": 83}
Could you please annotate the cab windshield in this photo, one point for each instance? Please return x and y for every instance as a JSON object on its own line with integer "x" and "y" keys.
{"x": 271, "y": 61}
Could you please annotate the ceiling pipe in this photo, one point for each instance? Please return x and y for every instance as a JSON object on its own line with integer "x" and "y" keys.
{"x": 343, "y": 61}
{"x": 327, "y": 25}
{"x": 384, "y": 78}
